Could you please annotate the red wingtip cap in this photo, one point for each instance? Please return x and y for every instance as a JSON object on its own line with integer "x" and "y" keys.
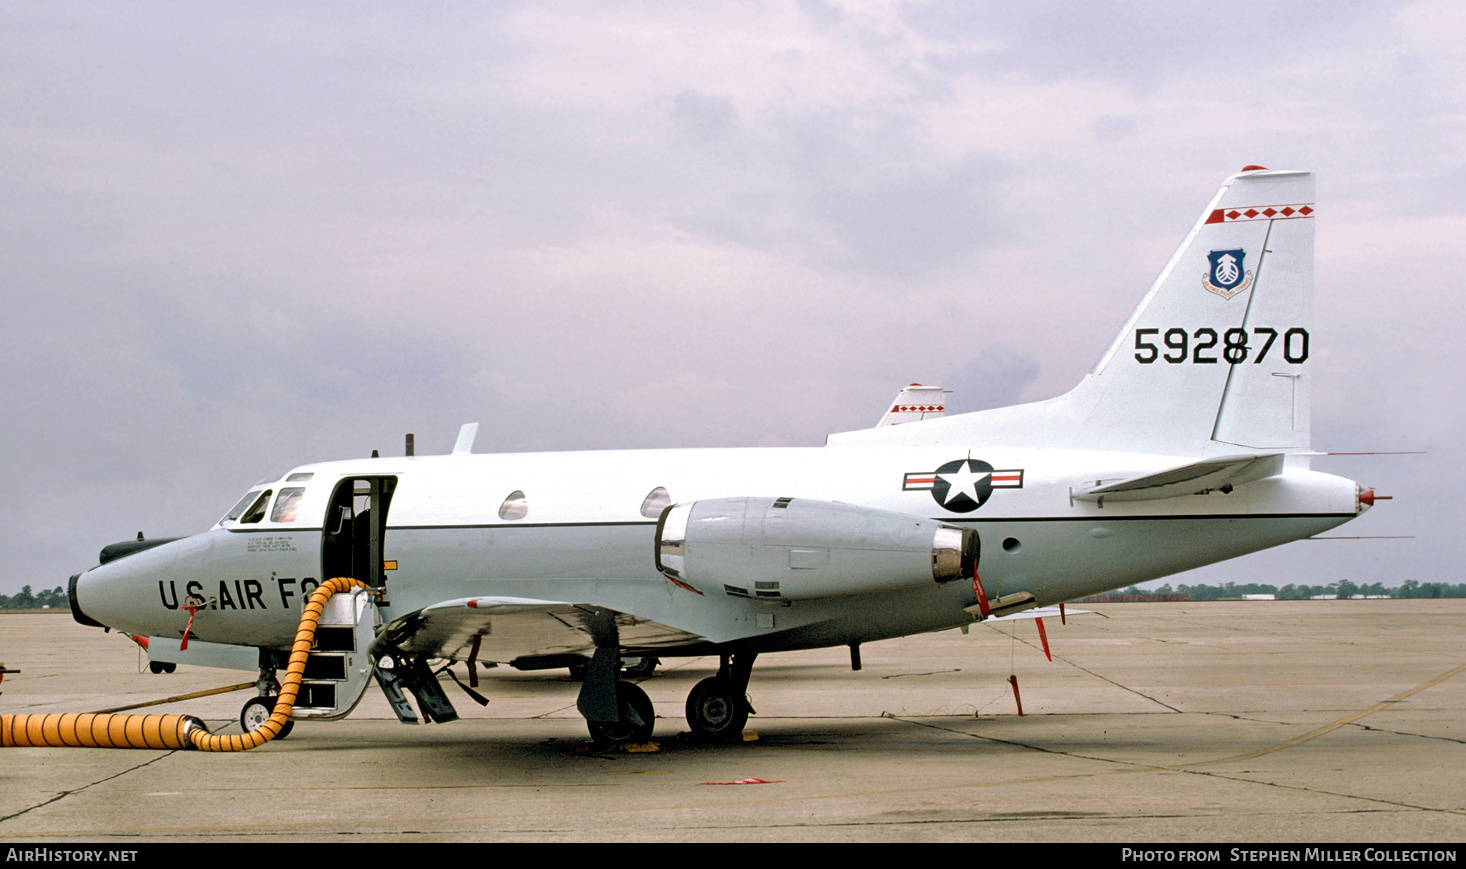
{"x": 1254, "y": 168}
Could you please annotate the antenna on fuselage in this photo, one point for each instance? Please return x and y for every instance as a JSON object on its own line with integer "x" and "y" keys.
{"x": 464, "y": 446}
{"x": 409, "y": 443}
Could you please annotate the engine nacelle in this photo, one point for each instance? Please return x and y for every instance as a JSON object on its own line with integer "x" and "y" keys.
{"x": 801, "y": 549}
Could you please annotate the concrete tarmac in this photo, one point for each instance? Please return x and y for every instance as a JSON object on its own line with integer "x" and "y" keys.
{"x": 1271, "y": 722}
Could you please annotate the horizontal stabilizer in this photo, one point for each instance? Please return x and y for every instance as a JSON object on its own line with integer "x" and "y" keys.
{"x": 1189, "y": 479}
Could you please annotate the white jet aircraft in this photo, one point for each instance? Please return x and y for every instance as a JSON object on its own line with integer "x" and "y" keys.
{"x": 1186, "y": 444}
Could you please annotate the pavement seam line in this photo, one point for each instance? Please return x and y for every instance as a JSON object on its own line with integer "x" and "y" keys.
{"x": 1327, "y": 728}
{"x": 65, "y": 794}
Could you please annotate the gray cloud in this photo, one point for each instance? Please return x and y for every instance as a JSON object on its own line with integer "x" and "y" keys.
{"x": 236, "y": 241}
{"x": 996, "y": 377}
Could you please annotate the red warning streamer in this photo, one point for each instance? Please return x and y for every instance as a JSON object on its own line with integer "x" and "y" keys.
{"x": 193, "y": 610}
{"x": 982, "y": 596}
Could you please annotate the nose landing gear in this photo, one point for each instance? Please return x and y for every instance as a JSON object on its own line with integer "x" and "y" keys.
{"x": 257, "y": 711}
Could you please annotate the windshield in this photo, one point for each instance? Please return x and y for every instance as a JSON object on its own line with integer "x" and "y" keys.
{"x": 256, "y": 511}
{"x": 237, "y": 509}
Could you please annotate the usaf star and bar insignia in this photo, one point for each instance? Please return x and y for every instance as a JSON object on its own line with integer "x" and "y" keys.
{"x": 963, "y": 485}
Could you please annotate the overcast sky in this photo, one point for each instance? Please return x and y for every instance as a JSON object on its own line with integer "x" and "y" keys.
{"x": 241, "y": 237}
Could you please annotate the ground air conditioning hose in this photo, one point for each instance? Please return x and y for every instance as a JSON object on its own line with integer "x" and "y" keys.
{"x": 94, "y": 730}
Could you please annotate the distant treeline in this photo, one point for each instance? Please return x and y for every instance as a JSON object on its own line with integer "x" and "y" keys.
{"x": 28, "y": 600}
{"x": 1343, "y": 588}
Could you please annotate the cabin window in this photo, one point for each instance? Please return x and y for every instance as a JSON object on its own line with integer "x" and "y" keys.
{"x": 256, "y": 511}
{"x": 516, "y": 506}
{"x": 287, "y": 505}
{"x": 656, "y": 501}
{"x": 238, "y": 509}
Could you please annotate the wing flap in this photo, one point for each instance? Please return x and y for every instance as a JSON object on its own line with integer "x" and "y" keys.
{"x": 1188, "y": 479}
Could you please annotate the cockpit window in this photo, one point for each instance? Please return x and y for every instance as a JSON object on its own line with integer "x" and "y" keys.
{"x": 299, "y": 478}
{"x": 237, "y": 509}
{"x": 256, "y": 511}
{"x": 287, "y": 505}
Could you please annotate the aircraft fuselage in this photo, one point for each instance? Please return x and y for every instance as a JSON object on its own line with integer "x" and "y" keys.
{"x": 583, "y": 537}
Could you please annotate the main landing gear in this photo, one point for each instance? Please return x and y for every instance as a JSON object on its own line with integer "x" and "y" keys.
{"x": 717, "y": 707}
{"x": 616, "y": 712}
{"x": 619, "y": 712}
{"x": 635, "y": 720}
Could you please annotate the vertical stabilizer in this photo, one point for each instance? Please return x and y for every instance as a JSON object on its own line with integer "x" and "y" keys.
{"x": 1214, "y": 358}
{"x": 915, "y": 403}
{"x": 1218, "y": 349}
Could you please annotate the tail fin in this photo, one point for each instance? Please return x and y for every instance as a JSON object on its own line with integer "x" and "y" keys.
{"x": 1214, "y": 357}
{"x": 915, "y": 403}
{"x": 1218, "y": 349}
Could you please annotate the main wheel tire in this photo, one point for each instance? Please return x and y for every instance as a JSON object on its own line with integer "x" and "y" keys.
{"x": 157, "y": 667}
{"x": 610, "y": 734}
{"x": 257, "y": 711}
{"x": 715, "y": 710}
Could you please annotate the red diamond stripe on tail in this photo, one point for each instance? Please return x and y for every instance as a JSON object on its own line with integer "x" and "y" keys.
{"x": 1266, "y": 212}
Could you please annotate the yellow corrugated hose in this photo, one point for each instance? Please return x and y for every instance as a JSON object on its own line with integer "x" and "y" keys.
{"x": 92, "y": 730}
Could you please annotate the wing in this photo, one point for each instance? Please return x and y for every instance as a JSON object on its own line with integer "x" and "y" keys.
{"x": 1187, "y": 479}
{"x": 508, "y": 629}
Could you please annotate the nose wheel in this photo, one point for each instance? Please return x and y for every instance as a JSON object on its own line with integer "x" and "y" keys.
{"x": 257, "y": 711}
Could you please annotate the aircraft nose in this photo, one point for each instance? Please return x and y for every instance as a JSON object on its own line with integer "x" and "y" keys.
{"x": 76, "y": 610}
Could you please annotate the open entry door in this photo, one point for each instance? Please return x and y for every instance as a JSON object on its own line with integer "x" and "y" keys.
{"x": 353, "y": 542}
